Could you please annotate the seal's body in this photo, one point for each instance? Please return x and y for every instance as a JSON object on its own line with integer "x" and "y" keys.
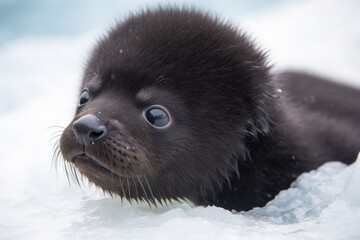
{"x": 177, "y": 104}
{"x": 322, "y": 95}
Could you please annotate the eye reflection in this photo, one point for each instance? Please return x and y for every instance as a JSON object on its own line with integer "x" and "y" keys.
{"x": 157, "y": 116}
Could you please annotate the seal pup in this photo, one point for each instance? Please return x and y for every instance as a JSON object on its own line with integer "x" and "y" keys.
{"x": 322, "y": 95}
{"x": 178, "y": 104}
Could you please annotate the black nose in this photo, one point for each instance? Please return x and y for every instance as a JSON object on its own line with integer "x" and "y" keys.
{"x": 88, "y": 129}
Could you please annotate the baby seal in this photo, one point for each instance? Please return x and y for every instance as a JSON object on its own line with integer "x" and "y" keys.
{"x": 177, "y": 104}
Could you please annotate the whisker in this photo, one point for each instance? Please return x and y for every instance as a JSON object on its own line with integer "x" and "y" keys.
{"x": 67, "y": 173}
{"x": 122, "y": 188}
{"x": 152, "y": 199}
{"x": 128, "y": 184}
{"x": 136, "y": 190}
{"x": 75, "y": 176}
{"x": 55, "y": 127}
{"x": 56, "y": 156}
{"x": 146, "y": 195}
{"x": 56, "y": 136}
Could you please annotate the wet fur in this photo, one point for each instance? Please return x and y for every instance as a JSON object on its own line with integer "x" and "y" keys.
{"x": 235, "y": 141}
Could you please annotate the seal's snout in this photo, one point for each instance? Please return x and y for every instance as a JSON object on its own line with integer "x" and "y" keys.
{"x": 88, "y": 129}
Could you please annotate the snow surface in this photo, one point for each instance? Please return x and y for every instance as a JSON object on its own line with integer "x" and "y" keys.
{"x": 39, "y": 75}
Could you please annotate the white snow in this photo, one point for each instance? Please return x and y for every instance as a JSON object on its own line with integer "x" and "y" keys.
{"x": 38, "y": 75}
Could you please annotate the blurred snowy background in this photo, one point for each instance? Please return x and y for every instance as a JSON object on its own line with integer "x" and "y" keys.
{"x": 43, "y": 46}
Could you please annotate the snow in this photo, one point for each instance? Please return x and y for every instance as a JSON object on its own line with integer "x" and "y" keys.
{"x": 40, "y": 74}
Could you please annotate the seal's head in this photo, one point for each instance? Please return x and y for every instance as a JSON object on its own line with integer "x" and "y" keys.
{"x": 166, "y": 102}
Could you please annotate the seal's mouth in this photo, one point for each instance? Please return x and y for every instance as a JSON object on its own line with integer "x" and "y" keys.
{"x": 83, "y": 161}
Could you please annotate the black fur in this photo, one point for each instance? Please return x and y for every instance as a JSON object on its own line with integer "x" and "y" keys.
{"x": 322, "y": 95}
{"x": 234, "y": 142}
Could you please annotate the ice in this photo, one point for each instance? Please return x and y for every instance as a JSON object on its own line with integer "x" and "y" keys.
{"x": 352, "y": 190}
{"x": 39, "y": 82}
{"x": 307, "y": 197}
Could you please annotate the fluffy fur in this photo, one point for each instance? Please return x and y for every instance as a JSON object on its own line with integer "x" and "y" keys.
{"x": 234, "y": 142}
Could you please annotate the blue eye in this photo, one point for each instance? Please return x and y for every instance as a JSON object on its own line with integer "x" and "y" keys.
{"x": 157, "y": 116}
{"x": 84, "y": 97}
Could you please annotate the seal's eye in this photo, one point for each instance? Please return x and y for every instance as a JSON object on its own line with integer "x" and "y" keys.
{"x": 84, "y": 97}
{"x": 157, "y": 116}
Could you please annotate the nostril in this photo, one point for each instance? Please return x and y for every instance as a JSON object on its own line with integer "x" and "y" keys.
{"x": 88, "y": 129}
{"x": 97, "y": 134}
